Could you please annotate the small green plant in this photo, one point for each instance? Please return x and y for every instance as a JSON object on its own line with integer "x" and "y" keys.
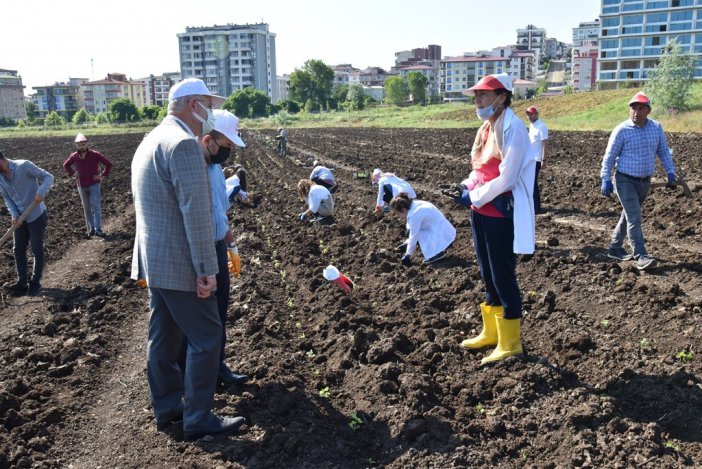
{"x": 325, "y": 392}
{"x": 301, "y": 336}
{"x": 310, "y": 354}
{"x": 645, "y": 343}
{"x": 685, "y": 357}
{"x": 605, "y": 323}
{"x": 619, "y": 281}
{"x": 355, "y": 421}
{"x": 315, "y": 372}
{"x": 480, "y": 408}
{"x": 670, "y": 444}
{"x": 290, "y": 303}
{"x": 298, "y": 324}
{"x": 276, "y": 264}
{"x": 532, "y": 294}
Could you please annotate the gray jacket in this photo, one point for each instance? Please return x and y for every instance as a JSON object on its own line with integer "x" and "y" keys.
{"x": 174, "y": 230}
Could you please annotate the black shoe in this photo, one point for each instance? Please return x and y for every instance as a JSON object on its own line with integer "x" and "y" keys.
{"x": 100, "y": 234}
{"x": 223, "y": 426}
{"x": 435, "y": 258}
{"x": 174, "y": 419}
{"x": 228, "y": 377}
{"x": 90, "y": 233}
{"x": 17, "y": 287}
{"x": 34, "y": 289}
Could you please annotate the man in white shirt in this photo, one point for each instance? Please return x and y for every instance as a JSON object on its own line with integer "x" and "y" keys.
{"x": 538, "y": 136}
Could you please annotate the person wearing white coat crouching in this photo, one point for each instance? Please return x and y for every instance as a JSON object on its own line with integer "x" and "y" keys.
{"x": 426, "y": 225}
{"x": 389, "y": 186}
{"x": 500, "y": 191}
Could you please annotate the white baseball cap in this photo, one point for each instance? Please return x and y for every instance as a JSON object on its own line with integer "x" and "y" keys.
{"x": 492, "y": 82}
{"x": 376, "y": 175}
{"x": 81, "y": 138}
{"x": 227, "y": 124}
{"x": 193, "y": 87}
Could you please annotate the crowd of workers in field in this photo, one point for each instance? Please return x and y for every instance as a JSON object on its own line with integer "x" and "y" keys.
{"x": 185, "y": 250}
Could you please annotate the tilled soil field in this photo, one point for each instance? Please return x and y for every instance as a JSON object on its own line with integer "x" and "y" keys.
{"x": 612, "y": 375}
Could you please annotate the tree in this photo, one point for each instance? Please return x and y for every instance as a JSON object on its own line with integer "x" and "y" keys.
{"x": 82, "y": 116}
{"x": 670, "y": 82}
{"x": 418, "y": 86}
{"x": 289, "y": 105}
{"x": 356, "y": 97}
{"x": 313, "y": 82}
{"x": 541, "y": 87}
{"x": 31, "y": 109}
{"x": 151, "y": 112}
{"x": 396, "y": 91}
{"x": 102, "y": 118}
{"x": 340, "y": 93}
{"x": 248, "y": 102}
{"x": 123, "y": 110}
{"x": 54, "y": 119}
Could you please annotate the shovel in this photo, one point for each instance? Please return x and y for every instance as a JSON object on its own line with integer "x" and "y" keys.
{"x": 20, "y": 220}
{"x": 679, "y": 181}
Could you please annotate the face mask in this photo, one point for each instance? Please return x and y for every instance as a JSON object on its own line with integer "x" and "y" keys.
{"x": 221, "y": 155}
{"x": 486, "y": 112}
{"x": 207, "y": 125}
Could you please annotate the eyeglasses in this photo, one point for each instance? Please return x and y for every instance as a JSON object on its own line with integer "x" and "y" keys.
{"x": 207, "y": 105}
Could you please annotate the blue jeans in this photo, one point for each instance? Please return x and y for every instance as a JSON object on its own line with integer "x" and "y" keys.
{"x": 632, "y": 192}
{"x": 493, "y": 239}
{"x": 90, "y": 196}
{"x": 32, "y": 232}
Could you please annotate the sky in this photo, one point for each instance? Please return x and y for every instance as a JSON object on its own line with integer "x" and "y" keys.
{"x": 48, "y": 41}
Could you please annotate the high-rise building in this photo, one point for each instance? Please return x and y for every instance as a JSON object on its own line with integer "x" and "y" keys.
{"x": 531, "y": 38}
{"x": 11, "y": 95}
{"x": 99, "y": 94}
{"x": 633, "y": 34}
{"x": 157, "y": 87}
{"x": 65, "y": 98}
{"x": 586, "y": 32}
{"x": 230, "y": 57}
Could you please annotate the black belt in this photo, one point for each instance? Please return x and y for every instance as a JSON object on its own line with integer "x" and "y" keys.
{"x": 636, "y": 178}
{"x": 220, "y": 242}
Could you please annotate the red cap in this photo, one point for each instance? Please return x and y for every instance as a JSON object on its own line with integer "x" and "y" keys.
{"x": 499, "y": 81}
{"x": 532, "y": 110}
{"x": 641, "y": 98}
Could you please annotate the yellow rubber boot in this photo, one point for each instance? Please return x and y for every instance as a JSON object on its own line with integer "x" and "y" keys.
{"x": 508, "y": 340}
{"x": 488, "y": 336}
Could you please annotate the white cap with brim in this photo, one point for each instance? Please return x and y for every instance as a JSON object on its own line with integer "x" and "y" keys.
{"x": 376, "y": 175}
{"x": 193, "y": 87}
{"x": 81, "y": 138}
{"x": 227, "y": 124}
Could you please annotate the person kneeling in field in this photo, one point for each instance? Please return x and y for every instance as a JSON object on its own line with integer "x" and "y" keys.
{"x": 318, "y": 198}
{"x": 237, "y": 185}
{"x": 427, "y": 226}
{"x": 323, "y": 176}
{"x": 389, "y": 186}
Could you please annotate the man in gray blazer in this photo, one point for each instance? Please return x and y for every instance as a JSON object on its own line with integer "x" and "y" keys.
{"x": 174, "y": 253}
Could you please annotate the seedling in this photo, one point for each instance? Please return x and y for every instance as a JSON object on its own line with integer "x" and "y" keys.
{"x": 479, "y": 407}
{"x": 685, "y": 357}
{"x": 672, "y": 445}
{"x": 605, "y": 323}
{"x": 645, "y": 343}
{"x": 310, "y": 354}
{"x": 276, "y": 264}
{"x": 301, "y": 336}
{"x": 290, "y": 303}
{"x": 325, "y": 392}
{"x": 298, "y": 324}
{"x": 355, "y": 421}
{"x": 532, "y": 294}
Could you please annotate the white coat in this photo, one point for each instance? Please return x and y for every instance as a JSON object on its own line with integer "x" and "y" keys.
{"x": 428, "y": 227}
{"x": 398, "y": 185}
{"x": 517, "y": 171}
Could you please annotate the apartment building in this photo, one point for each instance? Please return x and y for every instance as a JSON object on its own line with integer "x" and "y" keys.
{"x": 633, "y": 34}
{"x": 531, "y": 38}
{"x": 371, "y": 76}
{"x": 99, "y": 94}
{"x": 460, "y": 73}
{"x": 283, "y": 84}
{"x": 584, "y": 67}
{"x": 65, "y": 98}
{"x": 431, "y": 73}
{"x": 157, "y": 88}
{"x": 343, "y": 74}
{"x": 587, "y": 31}
{"x": 230, "y": 57}
{"x": 523, "y": 65}
{"x": 11, "y": 95}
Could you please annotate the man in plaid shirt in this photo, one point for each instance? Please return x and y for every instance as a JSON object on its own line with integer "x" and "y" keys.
{"x": 632, "y": 148}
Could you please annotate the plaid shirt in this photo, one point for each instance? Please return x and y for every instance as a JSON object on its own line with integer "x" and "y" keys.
{"x": 633, "y": 149}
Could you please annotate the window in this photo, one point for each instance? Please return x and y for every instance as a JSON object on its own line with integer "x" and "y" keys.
{"x": 608, "y": 65}
{"x": 655, "y": 40}
{"x": 631, "y": 42}
{"x": 608, "y": 22}
{"x": 681, "y": 26}
{"x": 632, "y": 19}
{"x": 630, "y": 64}
{"x": 609, "y": 44}
{"x": 681, "y": 15}
{"x": 609, "y": 10}
{"x": 651, "y": 5}
{"x": 633, "y": 7}
{"x": 611, "y": 2}
{"x": 657, "y": 28}
{"x": 631, "y": 30}
{"x": 656, "y": 18}
{"x": 650, "y": 63}
{"x": 630, "y": 52}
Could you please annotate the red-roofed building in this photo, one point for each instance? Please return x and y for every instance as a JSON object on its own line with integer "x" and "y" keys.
{"x": 98, "y": 94}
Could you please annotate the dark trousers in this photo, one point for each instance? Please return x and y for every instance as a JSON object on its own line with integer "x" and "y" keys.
{"x": 222, "y": 293}
{"x": 387, "y": 193}
{"x": 537, "y": 195}
{"x": 33, "y": 233}
{"x": 235, "y": 192}
{"x": 322, "y": 182}
{"x": 493, "y": 240}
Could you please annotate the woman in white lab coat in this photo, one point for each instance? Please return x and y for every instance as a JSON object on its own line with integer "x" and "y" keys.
{"x": 426, "y": 225}
{"x": 389, "y": 186}
{"x": 320, "y": 203}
